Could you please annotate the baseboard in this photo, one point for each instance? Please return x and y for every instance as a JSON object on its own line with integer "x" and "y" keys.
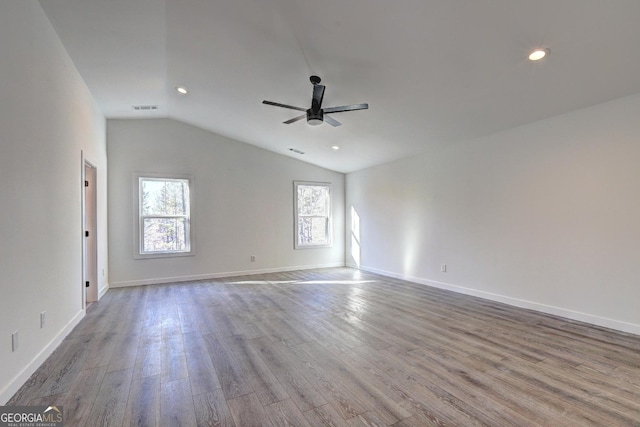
{"x": 175, "y": 279}
{"x": 103, "y": 291}
{"x": 14, "y": 385}
{"x": 543, "y": 308}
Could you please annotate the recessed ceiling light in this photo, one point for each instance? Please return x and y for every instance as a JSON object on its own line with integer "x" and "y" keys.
{"x": 538, "y": 54}
{"x": 335, "y": 147}
{"x": 181, "y": 89}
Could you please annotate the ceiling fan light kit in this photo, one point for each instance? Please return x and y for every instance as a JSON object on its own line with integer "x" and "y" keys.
{"x": 316, "y": 115}
{"x": 538, "y": 54}
{"x": 314, "y": 119}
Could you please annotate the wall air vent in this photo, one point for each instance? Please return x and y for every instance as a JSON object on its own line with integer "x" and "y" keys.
{"x": 144, "y": 107}
{"x": 295, "y": 150}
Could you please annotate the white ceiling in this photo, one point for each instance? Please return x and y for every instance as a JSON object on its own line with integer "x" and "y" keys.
{"x": 433, "y": 71}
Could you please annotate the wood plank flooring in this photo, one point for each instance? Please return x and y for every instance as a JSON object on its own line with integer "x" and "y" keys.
{"x": 332, "y": 347}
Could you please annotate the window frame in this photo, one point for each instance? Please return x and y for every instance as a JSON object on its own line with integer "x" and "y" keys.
{"x": 297, "y": 216}
{"x": 138, "y": 238}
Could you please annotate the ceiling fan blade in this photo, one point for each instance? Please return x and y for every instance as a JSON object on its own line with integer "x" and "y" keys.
{"x": 277, "y": 104}
{"x": 346, "y": 108}
{"x": 333, "y": 122}
{"x": 318, "y": 94}
{"x": 295, "y": 119}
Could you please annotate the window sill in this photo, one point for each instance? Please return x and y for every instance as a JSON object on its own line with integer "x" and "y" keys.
{"x": 163, "y": 255}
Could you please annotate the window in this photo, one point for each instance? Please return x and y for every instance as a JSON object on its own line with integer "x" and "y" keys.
{"x": 164, "y": 221}
{"x": 312, "y": 214}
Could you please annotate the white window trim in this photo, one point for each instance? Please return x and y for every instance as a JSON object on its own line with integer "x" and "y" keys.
{"x": 137, "y": 218}
{"x": 296, "y": 245}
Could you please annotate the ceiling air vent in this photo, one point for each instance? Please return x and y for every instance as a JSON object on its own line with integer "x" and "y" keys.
{"x": 295, "y": 150}
{"x": 144, "y": 107}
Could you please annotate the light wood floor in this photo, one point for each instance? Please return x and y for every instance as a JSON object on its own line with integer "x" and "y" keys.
{"x": 332, "y": 347}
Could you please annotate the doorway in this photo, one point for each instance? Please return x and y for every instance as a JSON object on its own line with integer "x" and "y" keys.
{"x": 90, "y": 241}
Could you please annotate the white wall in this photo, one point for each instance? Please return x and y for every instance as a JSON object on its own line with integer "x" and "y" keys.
{"x": 47, "y": 117}
{"x": 545, "y": 216}
{"x": 243, "y": 203}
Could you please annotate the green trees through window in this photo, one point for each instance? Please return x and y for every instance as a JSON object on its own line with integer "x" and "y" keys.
{"x": 313, "y": 214}
{"x": 164, "y": 215}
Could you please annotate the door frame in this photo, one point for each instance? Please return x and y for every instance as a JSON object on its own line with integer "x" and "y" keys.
{"x": 89, "y": 223}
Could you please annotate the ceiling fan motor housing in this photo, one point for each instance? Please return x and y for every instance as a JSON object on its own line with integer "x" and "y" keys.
{"x": 314, "y": 118}
{"x": 315, "y": 114}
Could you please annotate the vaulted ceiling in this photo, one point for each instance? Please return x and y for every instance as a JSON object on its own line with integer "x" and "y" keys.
{"x": 434, "y": 72}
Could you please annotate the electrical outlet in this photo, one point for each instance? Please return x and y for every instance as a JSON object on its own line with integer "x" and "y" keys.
{"x": 443, "y": 268}
{"x": 253, "y": 258}
{"x": 42, "y": 319}
{"x": 14, "y": 341}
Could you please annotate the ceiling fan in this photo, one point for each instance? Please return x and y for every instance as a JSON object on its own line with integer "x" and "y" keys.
{"x": 316, "y": 114}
